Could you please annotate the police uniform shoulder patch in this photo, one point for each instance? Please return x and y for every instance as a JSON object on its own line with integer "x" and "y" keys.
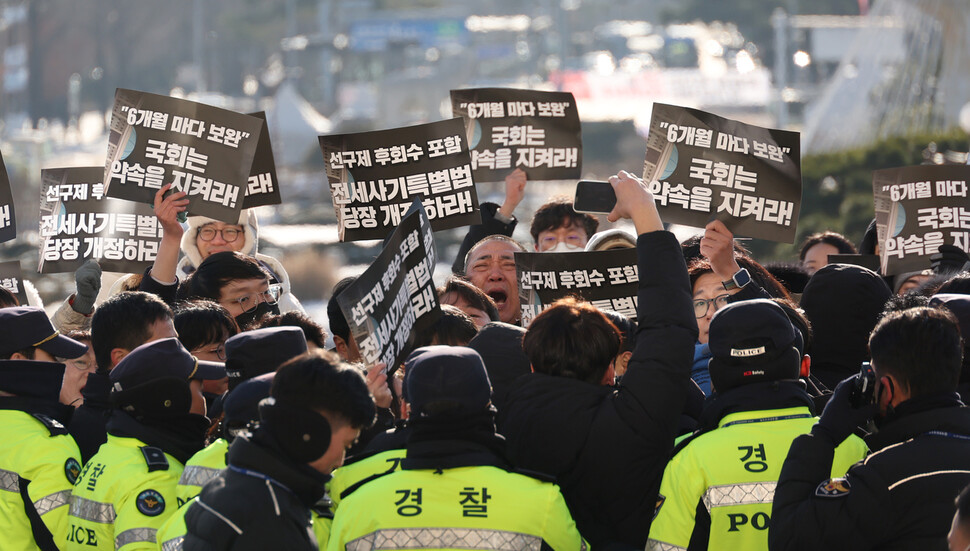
{"x": 53, "y": 425}
{"x": 72, "y": 469}
{"x": 154, "y": 458}
{"x": 833, "y": 487}
{"x": 322, "y": 511}
{"x": 150, "y": 503}
{"x": 660, "y": 503}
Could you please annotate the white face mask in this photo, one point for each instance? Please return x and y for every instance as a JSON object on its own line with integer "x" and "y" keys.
{"x": 563, "y": 247}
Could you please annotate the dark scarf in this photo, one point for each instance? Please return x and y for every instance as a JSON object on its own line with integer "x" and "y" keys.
{"x": 39, "y": 406}
{"x": 751, "y": 397}
{"x": 754, "y": 397}
{"x": 915, "y": 416}
{"x": 921, "y": 404}
{"x": 180, "y": 437}
{"x": 454, "y": 440}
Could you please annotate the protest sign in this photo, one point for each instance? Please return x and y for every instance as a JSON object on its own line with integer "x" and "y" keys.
{"x": 700, "y": 167}
{"x": 202, "y": 150}
{"x": 534, "y": 130}
{"x": 12, "y": 279}
{"x": 8, "y": 219}
{"x": 919, "y": 208}
{"x": 395, "y": 296}
{"x": 263, "y": 187}
{"x": 78, "y": 222}
{"x": 607, "y": 279}
{"x": 374, "y": 176}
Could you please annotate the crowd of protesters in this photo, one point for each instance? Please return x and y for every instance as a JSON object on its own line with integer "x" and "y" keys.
{"x": 787, "y": 406}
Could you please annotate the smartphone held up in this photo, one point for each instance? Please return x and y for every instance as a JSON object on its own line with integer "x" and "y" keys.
{"x": 594, "y": 197}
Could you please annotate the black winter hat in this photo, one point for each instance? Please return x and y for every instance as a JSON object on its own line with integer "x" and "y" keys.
{"x": 446, "y": 378}
{"x": 843, "y": 302}
{"x": 500, "y": 346}
{"x": 752, "y": 341}
{"x": 162, "y": 358}
{"x": 253, "y": 353}
{"x": 241, "y": 406}
{"x": 23, "y": 327}
{"x": 153, "y": 379}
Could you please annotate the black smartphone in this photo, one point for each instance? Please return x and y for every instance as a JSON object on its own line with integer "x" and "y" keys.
{"x": 864, "y": 386}
{"x": 594, "y": 197}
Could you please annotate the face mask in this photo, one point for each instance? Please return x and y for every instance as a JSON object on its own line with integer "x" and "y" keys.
{"x": 563, "y": 247}
{"x": 246, "y": 319}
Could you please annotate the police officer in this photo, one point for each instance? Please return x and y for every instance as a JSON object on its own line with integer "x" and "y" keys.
{"x": 455, "y": 488}
{"x": 127, "y": 490}
{"x": 901, "y": 496}
{"x": 241, "y": 408}
{"x": 38, "y": 459}
{"x": 717, "y": 490}
{"x": 248, "y": 354}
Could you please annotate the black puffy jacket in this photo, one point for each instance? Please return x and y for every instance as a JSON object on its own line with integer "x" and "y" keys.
{"x": 607, "y": 447}
{"x": 261, "y": 501}
{"x": 899, "y": 497}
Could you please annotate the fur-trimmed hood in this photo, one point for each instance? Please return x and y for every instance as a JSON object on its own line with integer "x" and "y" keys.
{"x": 247, "y": 219}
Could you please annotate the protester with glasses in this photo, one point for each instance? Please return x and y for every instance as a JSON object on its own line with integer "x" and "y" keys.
{"x": 217, "y": 237}
{"x": 721, "y": 276}
{"x": 77, "y": 370}
{"x": 204, "y": 238}
{"x": 203, "y": 327}
{"x": 238, "y": 283}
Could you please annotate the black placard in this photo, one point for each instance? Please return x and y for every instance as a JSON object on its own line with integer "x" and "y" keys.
{"x": 8, "y": 218}
{"x": 264, "y": 186}
{"x": 702, "y": 167}
{"x": 919, "y": 208}
{"x": 395, "y": 297}
{"x": 202, "y": 150}
{"x": 78, "y": 222}
{"x": 12, "y": 279}
{"x": 607, "y": 279}
{"x": 534, "y": 130}
{"x": 374, "y": 176}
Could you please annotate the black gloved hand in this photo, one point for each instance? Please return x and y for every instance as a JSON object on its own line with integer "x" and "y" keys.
{"x": 950, "y": 259}
{"x": 840, "y": 418}
{"x": 87, "y": 280}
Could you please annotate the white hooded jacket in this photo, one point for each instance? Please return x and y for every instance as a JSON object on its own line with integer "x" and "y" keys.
{"x": 247, "y": 219}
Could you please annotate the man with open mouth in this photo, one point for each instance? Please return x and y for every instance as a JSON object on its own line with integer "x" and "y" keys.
{"x": 490, "y": 266}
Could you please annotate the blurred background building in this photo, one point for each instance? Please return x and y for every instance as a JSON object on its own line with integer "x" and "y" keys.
{"x": 847, "y": 73}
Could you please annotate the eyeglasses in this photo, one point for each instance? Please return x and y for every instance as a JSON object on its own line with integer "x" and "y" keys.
{"x": 77, "y": 363}
{"x": 250, "y": 301}
{"x": 228, "y": 234}
{"x": 220, "y": 351}
{"x": 703, "y": 305}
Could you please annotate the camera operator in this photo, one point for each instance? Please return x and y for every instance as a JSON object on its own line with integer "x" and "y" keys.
{"x": 901, "y": 496}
